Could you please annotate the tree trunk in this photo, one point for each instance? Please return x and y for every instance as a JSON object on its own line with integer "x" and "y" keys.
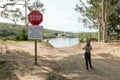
{"x": 118, "y": 35}
{"x": 104, "y": 20}
{"x": 99, "y": 32}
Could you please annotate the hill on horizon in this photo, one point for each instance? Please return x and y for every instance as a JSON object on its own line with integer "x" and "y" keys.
{"x": 8, "y": 29}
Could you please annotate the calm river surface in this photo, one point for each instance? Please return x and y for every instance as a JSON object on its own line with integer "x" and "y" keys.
{"x": 63, "y": 42}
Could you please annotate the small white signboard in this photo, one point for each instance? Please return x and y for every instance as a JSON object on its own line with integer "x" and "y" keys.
{"x": 35, "y": 32}
{"x": 113, "y": 33}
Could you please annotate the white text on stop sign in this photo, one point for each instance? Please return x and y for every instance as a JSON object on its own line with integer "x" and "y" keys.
{"x": 34, "y": 17}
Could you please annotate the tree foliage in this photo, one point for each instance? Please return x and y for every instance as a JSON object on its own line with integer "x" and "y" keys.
{"x": 92, "y": 14}
{"x": 11, "y": 11}
{"x": 90, "y": 11}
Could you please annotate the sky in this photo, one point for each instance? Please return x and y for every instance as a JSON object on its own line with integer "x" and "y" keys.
{"x": 61, "y": 15}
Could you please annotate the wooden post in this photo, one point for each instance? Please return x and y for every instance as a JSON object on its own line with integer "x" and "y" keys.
{"x": 35, "y": 52}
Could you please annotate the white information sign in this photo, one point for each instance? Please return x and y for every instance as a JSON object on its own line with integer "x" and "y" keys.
{"x": 35, "y": 32}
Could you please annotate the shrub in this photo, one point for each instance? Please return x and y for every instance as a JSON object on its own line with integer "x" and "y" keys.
{"x": 19, "y": 37}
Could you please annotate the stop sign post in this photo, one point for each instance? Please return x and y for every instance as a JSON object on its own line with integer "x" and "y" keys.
{"x": 35, "y": 17}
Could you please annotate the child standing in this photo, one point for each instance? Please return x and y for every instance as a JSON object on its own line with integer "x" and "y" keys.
{"x": 87, "y": 55}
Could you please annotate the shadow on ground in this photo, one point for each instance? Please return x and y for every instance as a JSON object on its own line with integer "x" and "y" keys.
{"x": 69, "y": 68}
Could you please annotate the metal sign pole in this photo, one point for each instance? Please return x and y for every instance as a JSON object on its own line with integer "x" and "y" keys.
{"x": 35, "y": 52}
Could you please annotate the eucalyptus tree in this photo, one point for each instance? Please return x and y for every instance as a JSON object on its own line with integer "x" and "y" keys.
{"x": 91, "y": 14}
{"x": 114, "y": 17}
{"x": 102, "y": 14}
{"x": 13, "y": 9}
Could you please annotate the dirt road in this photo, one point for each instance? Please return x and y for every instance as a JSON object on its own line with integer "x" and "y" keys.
{"x": 59, "y": 63}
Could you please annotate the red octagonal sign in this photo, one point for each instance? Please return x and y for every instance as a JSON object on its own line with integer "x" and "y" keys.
{"x": 35, "y": 17}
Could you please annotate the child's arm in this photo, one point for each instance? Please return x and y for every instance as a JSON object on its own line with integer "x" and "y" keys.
{"x": 83, "y": 47}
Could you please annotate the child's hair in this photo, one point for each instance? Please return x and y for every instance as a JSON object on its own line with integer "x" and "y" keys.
{"x": 88, "y": 43}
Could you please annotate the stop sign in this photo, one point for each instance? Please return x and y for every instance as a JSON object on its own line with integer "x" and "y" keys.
{"x": 35, "y": 17}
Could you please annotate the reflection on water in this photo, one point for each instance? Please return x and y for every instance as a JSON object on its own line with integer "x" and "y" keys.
{"x": 63, "y": 42}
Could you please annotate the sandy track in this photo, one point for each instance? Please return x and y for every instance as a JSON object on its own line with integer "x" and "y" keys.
{"x": 60, "y": 63}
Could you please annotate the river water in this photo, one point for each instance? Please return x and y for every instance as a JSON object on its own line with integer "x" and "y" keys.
{"x": 63, "y": 42}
